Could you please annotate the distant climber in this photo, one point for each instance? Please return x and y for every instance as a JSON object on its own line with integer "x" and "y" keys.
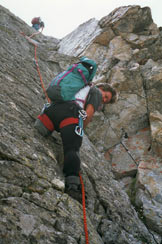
{"x": 37, "y": 23}
{"x": 70, "y": 118}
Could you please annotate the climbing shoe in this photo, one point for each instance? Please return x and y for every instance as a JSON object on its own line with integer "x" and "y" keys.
{"x": 73, "y": 187}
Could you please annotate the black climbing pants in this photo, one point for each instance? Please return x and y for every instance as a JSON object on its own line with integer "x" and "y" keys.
{"x": 71, "y": 141}
{"x": 71, "y": 145}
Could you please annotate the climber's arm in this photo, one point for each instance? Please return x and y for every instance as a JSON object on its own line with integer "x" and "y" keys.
{"x": 90, "y": 112}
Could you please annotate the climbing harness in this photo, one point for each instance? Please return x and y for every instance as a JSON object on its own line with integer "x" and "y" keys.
{"x": 79, "y": 130}
{"x": 68, "y": 121}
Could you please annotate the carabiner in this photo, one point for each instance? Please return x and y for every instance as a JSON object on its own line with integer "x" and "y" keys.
{"x": 79, "y": 131}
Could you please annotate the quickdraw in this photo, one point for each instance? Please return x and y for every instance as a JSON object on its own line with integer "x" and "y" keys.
{"x": 79, "y": 128}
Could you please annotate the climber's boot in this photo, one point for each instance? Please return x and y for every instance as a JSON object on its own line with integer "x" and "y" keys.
{"x": 73, "y": 187}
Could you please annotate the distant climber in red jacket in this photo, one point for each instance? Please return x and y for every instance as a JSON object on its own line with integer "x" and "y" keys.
{"x": 37, "y": 23}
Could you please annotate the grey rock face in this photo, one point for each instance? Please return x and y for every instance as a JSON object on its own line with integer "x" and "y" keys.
{"x": 121, "y": 175}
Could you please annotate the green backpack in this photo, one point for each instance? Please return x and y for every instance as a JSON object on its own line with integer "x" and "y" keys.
{"x": 66, "y": 84}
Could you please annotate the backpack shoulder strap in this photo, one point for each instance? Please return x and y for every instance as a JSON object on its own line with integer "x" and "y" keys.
{"x": 69, "y": 71}
{"x": 83, "y": 77}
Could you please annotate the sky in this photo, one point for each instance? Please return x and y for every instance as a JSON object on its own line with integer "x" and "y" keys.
{"x": 63, "y": 16}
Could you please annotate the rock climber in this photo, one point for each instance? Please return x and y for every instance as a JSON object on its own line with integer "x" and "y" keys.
{"x": 37, "y": 23}
{"x": 64, "y": 117}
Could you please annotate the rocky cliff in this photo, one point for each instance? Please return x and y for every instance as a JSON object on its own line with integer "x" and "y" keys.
{"x": 122, "y": 147}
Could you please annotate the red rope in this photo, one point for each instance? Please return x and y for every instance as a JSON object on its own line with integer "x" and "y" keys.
{"x": 40, "y": 74}
{"x": 36, "y": 62}
{"x": 84, "y": 210}
{"x": 81, "y": 180}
